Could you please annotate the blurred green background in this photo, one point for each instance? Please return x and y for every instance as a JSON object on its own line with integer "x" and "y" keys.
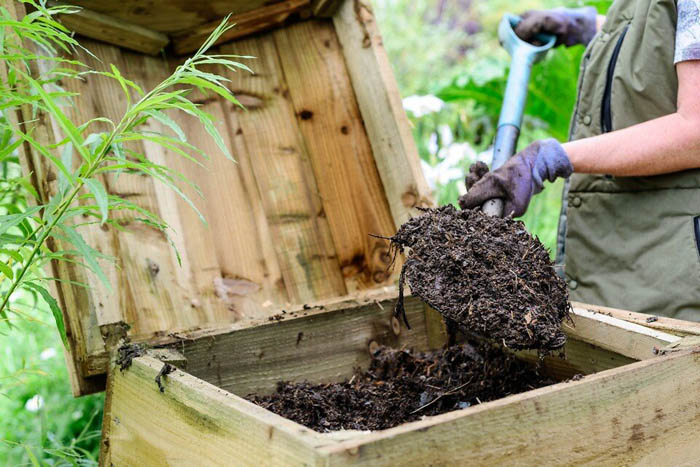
{"x": 451, "y": 73}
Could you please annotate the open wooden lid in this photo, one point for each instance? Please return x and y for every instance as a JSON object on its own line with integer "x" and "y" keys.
{"x": 181, "y": 26}
{"x": 324, "y": 157}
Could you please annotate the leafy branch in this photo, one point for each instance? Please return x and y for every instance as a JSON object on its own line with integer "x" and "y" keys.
{"x": 35, "y": 41}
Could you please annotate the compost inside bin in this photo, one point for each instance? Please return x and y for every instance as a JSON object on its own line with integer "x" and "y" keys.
{"x": 487, "y": 275}
{"x": 404, "y": 385}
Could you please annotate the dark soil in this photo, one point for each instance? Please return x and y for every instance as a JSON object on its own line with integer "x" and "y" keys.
{"x": 402, "y": 386}
{"x": 486, "y": 274}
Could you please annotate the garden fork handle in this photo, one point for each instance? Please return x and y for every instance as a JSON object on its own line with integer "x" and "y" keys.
{"x": 523, "y": 56}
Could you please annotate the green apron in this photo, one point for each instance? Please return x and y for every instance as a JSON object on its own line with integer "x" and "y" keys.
{"x": 632, "y": 242}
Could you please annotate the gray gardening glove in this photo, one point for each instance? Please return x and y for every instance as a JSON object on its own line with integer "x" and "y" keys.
{"x": 571, "y": 26}
{"x": 518, "y": 179}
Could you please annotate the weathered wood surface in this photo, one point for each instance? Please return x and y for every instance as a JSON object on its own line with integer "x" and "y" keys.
{"x": 193, "y": 423}
{"x": 263, "y": 349}
{"x": 353, "y": 197}
{"x": 609, "y": 333}
{"x": 172, "y": 16}
{"x": 382, "y": 111}
{"x": 325, "y": 8}
{"x": 646, "y": 413}
{"x": 250, "y": 22}
{"x": 673, "y": 326}
{"x": 289, "y": 222}
{"x": 326, "y": 345}
{"x": 280, "y": 161}
{"x": 598, "y": 342}
{"x": 114, "y": 31}
{"x": 577, "y": 358}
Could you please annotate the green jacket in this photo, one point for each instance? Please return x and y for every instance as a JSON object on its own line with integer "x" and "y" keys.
{"x": 632, "y": 242}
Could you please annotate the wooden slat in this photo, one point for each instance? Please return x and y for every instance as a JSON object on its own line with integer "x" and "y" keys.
{"x": 599, "y": 342}
{"x": 628, "y": 339}
{"x": 250, "y": 22}
{"x": 320, "y": 347}
{"x": 325, "y": 8}
{"x": 171, "y": 16}
{"x": 234, "y": 257}
{"x": 114, "y": 31}
{"x": 435, "y": 328}
{"x": 670, "y": 325}
{"x": 193, "y": 423}
{"x": 349, "y": 185}
{"x": 379, "y": 101}
{"x": 646, "y": 413}
{"x": 284, "y": 176}
{"x": 577, "y": 358}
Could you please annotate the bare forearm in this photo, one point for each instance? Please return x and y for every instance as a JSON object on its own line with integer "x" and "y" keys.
{"x": 663, "y": 145}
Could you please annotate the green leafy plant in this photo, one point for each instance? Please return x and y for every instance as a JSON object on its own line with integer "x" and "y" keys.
{"x": 34, "y": 49}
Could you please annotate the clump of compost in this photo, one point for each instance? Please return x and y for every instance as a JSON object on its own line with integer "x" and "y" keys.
{"x": 404, "y": 385}
{"x": 487, "y": 275}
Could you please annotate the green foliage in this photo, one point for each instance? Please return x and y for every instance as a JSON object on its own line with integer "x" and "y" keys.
{"x": 64, "y": 430}
{"x": 423, "y": 40}
{"x": 81, "y": 157}
{"x": 551, "y": 92}
{"x": 41, "y": 422}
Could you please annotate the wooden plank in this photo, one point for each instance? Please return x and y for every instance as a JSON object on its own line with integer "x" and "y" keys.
{"x": 353, "y": 197}
{"x": 379, "y": 101}
{"x": 325, "y": 8}
{"x": 114, "y": 31}
{"x": 200, "y": 279}
{"x": 670, "y": 325}
{"x": 260, "y": 263}
{"x": 284, "y": 176}
{"x": 171, "y": 16}
{"x": 616, "y": 335}
{"x": 250, "y": 22}
{"x": 320, "y": 347}
{"x": 234, "y": 259}
{"x": 646, "y": 413}
{"x": 436, "y": 328}
{"x": 577, "y": 358}
{"x": 345, "y": 302}
{"x": 194, "y": 423}
{"x": 98, "y": 307}
{"x": 599, "y": 342}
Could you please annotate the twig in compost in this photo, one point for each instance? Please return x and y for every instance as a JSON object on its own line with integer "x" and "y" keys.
{"x": 448, "y": 393}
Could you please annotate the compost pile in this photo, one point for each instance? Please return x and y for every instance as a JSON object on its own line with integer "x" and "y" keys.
{"x": 402, "y": 386}
{"x": 487, "y": 275}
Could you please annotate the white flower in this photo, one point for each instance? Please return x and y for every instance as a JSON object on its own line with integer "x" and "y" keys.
{"x": 433, "y": 143}
{"x": 422, "y": 105}
{"x": 448, "y": 169}
{"x": 47, "y": 353}
{"x": 35, "y": 403}
{"x": 455, "y": 153}
{"x": 445, "y": 135}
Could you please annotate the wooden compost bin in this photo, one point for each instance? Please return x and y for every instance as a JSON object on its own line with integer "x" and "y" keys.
{"x": 324, "y": 158}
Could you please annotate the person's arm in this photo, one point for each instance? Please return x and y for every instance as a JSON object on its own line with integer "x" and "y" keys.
{"x": 663, "y": 145}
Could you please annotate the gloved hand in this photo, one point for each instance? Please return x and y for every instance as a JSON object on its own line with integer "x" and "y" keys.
{"x": 518, "y": 179}
{"x": 571, "y": 26}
